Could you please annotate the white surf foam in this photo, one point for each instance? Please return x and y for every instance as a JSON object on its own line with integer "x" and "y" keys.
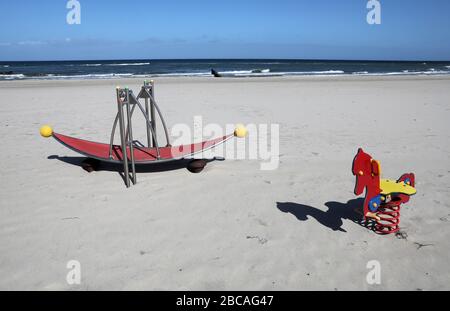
{"x": 325, "y": 72}
{"x": 235, "y": 72}
{"x": 12, "y": 77}
{"x": 87, "y": 76}
{"x": 405, "y": 73}
{"x": 182, "y": 74}
{"x": 128, "y": 64}
{"x": 244, "y": 72}
{"x": 232, "y": 73}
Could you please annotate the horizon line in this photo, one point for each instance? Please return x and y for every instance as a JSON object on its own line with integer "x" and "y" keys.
{"x": 231, "y": 59}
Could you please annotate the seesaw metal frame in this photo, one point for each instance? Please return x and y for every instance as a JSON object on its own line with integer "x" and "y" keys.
{"x": 131, "y": 152}
{"x": 126, "y": 99}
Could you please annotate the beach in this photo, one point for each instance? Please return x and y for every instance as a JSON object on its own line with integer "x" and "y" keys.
{"x": 233, "y": 226}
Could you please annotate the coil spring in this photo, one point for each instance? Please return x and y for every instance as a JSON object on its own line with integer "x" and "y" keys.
{"x": 389, "y": 214}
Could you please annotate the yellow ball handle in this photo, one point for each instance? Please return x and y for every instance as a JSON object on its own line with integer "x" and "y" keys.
{"x": 46, "y": 131}
{"x": 240, "y": 131}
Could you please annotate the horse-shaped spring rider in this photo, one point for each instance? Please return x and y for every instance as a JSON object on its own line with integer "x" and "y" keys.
{"x": 383, "y": 197}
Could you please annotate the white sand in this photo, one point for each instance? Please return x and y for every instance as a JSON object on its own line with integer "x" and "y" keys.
{"x": 222, "y": 229}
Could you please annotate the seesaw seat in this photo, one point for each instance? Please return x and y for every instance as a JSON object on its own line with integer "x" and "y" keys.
{"x": 142, "y": 155}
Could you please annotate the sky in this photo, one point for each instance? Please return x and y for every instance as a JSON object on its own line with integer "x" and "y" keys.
{"x": 181, "y": 29}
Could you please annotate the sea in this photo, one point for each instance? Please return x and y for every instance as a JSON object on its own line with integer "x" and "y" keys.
{"x": 145, "y": 68}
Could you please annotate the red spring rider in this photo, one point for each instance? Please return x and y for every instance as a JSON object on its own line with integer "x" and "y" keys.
{"x": 383, "y": 197}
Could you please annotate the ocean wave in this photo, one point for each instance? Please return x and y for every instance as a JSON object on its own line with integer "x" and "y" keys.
{"x": 437, "y": 72}
{"x": 406, "y": 73}
{"x": 380, "y": 73}
{"x": 261, "y": 63}
{"x": 123, "y": 64}
{"x": 5, "y": 66}
{"x": 239, "y": 72}
{"x": 235, "y": 72}
{"x": 128, "y": 64}
{"x": 82, "y": 77}
{"x": 182, "y": 74}
{"x": 324, "y": 72}
{"x": 231, "y": 73}
{"x": 12, "y": 77}
{"x": 268, "y": 73}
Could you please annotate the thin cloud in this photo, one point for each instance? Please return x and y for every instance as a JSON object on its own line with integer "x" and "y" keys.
{"x": 31, "y": 43}
{"x": 151, "y": 40}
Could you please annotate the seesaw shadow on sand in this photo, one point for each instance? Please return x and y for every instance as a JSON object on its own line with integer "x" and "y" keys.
{"x": 140, "y": 168}
{"x": 333, "y": 217}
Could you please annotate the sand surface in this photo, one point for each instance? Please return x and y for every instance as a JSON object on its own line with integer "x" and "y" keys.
{"x": 233, "y": 226}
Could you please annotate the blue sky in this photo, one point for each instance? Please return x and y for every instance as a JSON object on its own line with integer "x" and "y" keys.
{"x": 311, "y": 29}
